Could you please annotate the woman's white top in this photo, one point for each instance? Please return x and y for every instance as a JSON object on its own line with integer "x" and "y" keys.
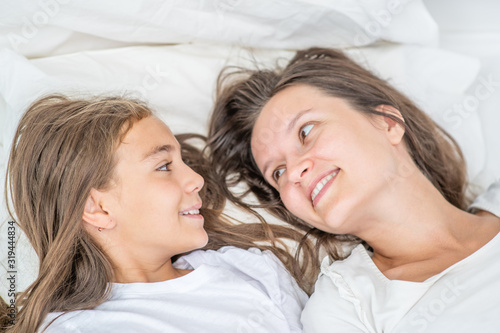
{"x": 352, "y": 295}
{"x": 230, "y": 290}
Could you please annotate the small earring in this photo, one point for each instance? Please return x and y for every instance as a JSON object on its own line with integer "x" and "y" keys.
{"x": 99, "y": 229}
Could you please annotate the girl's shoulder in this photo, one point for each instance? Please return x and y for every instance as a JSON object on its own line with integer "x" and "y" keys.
{"x": 260, "y": 268}
{"x": 58, "y": 322}
{"x": 235, "y": 259}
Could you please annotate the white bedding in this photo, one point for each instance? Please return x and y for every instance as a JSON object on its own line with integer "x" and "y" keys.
{"x": 170, "y": 53}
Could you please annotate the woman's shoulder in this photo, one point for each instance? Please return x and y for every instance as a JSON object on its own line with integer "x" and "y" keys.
{"x": 357, "y": 259}
{"x": 488, "y": 201}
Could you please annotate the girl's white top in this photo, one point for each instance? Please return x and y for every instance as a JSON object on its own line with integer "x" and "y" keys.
{"x": 352, "y": 295}
{"x": 230, "y": 290}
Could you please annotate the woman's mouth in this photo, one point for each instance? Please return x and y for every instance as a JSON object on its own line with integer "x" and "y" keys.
{"x": 320, "y": 185}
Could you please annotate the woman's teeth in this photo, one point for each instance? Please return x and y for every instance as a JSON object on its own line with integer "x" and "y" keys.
{"x": 190, "y": 212}
{"x": 322, "y": 183}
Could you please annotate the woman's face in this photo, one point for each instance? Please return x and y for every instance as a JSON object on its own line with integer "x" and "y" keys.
{"x": 155, "y": 198}
{"x": 328, "y": 161}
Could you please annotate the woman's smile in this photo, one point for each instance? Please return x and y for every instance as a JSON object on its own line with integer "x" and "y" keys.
{"x": 321, "y": 186}
{"x": 330, "y": 153}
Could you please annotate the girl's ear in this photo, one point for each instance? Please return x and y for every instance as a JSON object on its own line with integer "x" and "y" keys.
{"x": 392, "y": 128}
{"x": 94, "y": 215}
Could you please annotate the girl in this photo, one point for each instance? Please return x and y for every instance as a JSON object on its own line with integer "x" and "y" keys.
{"x": 100, "y": 188}
{"x": 355, "y": 161}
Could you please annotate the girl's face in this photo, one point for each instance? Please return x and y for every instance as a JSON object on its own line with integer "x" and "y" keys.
{"x": 329, "y": 162}
{"x": 155, "y": 198}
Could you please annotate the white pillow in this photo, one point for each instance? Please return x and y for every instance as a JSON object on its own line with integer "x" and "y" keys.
{"x": 178, "y": 82}
{"x": 46, "y": 27}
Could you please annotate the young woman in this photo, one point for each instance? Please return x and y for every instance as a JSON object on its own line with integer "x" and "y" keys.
{"x": 355, "y": 161}
{"x": 101, "y": 190}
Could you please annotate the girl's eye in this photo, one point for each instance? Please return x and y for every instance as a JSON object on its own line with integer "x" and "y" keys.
{"x": 277, "y": 174}
{"x": 304, "y": 131}
{"x": 165, "y": 167}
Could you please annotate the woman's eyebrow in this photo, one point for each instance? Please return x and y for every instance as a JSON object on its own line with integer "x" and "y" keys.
{"x": 157, "y": 150}
{"x": 296, "y": 118}
{"x": 290, "y": 126}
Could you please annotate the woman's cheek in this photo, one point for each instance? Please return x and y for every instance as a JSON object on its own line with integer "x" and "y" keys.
{"x": 294, "y": 201}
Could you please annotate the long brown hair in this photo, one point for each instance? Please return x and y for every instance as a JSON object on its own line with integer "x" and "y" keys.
{"x": 64, "y": 147}
{"x": 242, "y": 93}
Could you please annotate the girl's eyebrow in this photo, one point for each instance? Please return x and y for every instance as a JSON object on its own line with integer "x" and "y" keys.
{"x": 157, "y": 150}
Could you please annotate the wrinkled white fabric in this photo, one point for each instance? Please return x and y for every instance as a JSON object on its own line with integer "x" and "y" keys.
{"x": 230, "y": 290}
{"x": 291, "y": 24}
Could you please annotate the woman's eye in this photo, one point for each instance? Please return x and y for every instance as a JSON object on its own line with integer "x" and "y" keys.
{"x": 304, "y": 131}
{"x": 277, "y": 174}
{"x": 165, "y": 167}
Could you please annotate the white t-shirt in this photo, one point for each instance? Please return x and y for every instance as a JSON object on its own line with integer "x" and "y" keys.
{"x": 230, "y": 290}
{"x": 352, "y": 295}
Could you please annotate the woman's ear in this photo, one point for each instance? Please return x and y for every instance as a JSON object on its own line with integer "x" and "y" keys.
{"x": 95, "y": 215}
{"x": 393, "y": 129}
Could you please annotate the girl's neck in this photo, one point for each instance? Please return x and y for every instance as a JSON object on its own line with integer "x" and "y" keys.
{"x": 129, "y": 269}
{"x": 140, "y": 275}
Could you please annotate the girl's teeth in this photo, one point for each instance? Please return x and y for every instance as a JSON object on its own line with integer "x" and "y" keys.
{"x": 322, "y": 183}
{"x": 191, "y": 212}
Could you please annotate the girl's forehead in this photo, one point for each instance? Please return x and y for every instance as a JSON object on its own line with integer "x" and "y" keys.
{"x": 145, "y": 138}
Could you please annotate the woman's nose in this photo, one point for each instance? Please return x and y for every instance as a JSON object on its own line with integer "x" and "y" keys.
{"x": 299, "y": 170}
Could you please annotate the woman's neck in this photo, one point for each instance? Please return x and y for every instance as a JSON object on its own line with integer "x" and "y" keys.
{"x": 415, "y": 227}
